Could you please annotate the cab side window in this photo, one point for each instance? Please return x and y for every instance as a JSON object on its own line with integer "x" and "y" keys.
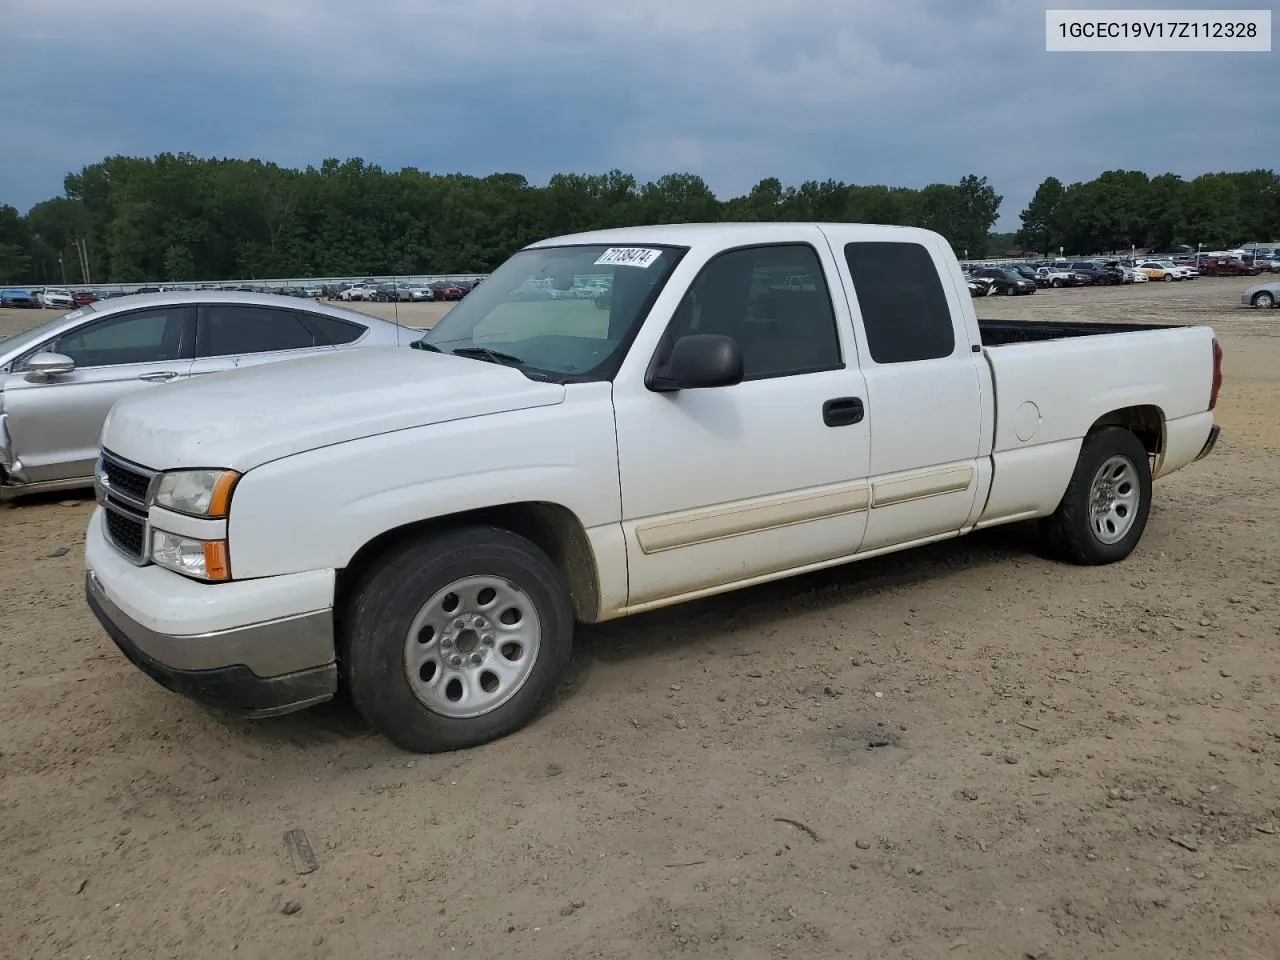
{"x": 773, "y": 301}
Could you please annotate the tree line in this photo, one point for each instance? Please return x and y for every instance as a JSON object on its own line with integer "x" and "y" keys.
{"x": 180, "y": 218}
{"x": 1126, "y": 208}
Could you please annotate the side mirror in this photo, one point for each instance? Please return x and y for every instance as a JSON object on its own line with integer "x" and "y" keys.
{"x": 699, "y": 360}
{"x": 44, "y": 366}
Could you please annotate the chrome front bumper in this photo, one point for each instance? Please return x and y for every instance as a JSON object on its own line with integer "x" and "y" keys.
{"x": 220, "y": 668}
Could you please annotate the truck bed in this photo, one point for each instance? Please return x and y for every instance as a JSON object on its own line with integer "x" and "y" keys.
{"x": 996, "y": 333}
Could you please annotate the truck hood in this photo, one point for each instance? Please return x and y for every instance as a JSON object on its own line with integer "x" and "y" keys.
{"x": 240, "y": 419}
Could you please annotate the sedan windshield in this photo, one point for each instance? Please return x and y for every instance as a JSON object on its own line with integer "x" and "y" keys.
{"x": 567, "y": 313}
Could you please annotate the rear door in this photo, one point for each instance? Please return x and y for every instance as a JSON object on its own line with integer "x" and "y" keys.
{"x": 55, "y": 424}
{"x": 233, "y": 335}
{"x": 929, "y": 400}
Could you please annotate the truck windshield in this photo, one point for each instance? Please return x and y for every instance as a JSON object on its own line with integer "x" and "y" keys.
{"x": 567, "y": 313}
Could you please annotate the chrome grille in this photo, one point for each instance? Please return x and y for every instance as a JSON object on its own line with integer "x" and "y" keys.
{"x": 124, "y": 491}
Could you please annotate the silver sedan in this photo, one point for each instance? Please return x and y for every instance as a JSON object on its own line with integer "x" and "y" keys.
{"x": 59, "y": 380}
{"x": 1265, "y": 295}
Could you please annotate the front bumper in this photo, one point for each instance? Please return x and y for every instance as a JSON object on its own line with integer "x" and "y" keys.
{"x": 256, "y": 647}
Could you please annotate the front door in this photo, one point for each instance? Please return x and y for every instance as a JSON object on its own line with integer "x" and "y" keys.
{"x": 729, "y": 484}
{"x": 55, "y": 424}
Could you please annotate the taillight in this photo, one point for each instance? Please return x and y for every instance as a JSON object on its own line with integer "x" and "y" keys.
{"x": 1217, "y": 374}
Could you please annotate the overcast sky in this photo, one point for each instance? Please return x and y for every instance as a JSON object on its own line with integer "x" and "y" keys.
{"x": 866, "y": 91}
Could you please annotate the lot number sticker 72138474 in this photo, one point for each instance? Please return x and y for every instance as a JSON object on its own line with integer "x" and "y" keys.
{"x": 628, "y": 257}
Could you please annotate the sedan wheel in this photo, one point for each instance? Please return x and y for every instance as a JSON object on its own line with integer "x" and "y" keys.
{"x": 1264, "y": 300}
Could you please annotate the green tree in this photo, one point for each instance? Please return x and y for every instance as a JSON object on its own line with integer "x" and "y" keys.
{"x": 1040, "y": 217}
{"x": 176, "y": 216}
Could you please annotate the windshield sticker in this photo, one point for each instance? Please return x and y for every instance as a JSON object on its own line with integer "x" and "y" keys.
{"x": 628, "y": 257}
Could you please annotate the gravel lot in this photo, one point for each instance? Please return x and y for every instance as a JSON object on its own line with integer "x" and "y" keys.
{"x": 964, "y": 751}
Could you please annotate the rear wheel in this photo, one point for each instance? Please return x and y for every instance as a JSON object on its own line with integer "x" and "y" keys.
{"x": 1104, "y": 511}
{"x": 457, "y": 639}
{"x": 1264, "y": 300}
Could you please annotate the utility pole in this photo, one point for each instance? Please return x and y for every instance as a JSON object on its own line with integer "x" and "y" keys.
{"x": 63, "y": 267}
{"x": 83, "y": 252}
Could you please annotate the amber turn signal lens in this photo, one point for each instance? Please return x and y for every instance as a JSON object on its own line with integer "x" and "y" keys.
{"x": 217, "y": 560}
{"x": 220, "y": 502}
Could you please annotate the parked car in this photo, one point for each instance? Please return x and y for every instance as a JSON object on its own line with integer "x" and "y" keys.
{"x": 1006, "y": 281}
{"x": 718, "y": 437}
{"x": 1266, "y": 264}
{"x": 447, "y": 291}
{"x": 1024, "y": 271}
{"x": 391, "y": 292}
{"x": 1264, "y": 295}
{"x": 1154, "y": 270}
{"x": 978, "y": 287}
{"x": 1097, "y": 273}
{"x": 52, "y": 298}
{"x": 59, "y": 379}
{"x": 82, "y": 298}
{"x": 16, "y": 297}
{"x": 1057, "y": 277}
{"x": 1227, "y": 267}
{"x": 1133, "y": 274}
{"x": 359, "y": 292}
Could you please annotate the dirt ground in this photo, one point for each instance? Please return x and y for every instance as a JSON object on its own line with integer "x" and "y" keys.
{"x": 964, "y": 751}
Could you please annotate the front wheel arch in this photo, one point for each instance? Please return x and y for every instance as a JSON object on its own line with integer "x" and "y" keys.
{"x": 554, "y": 528}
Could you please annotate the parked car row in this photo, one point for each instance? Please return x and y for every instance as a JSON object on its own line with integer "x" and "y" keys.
{"x": 397, "y": 291}
{"x": 58, "y": 298}
{"x": 986, "y": 279}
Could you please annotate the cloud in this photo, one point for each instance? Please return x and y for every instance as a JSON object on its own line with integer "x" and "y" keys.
{"x": 735, "y": 90}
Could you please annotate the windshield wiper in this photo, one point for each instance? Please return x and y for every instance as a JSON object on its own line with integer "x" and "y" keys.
{"x": 493, "y": 356}
{"x": 423, "y": 345}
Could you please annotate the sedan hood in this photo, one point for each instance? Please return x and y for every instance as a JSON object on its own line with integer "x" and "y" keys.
{"x": 243, "y": 418}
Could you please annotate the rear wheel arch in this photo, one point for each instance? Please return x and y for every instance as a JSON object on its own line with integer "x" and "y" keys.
{"x": 1145, "y": 421}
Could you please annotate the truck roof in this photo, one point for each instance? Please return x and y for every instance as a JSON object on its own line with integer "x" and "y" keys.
{"x": 696, "y": 234}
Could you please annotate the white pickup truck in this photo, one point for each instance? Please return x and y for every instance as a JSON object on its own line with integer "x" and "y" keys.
{"x": 424, "y": 527}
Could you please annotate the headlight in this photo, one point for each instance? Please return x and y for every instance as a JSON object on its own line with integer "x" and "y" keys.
{"x": 198, "y": 493}
{"x": 202, "y": 559}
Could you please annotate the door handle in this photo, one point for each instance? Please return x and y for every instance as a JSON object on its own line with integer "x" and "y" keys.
{"x": 842, "y": 411}
{"x": 160, "y": 377}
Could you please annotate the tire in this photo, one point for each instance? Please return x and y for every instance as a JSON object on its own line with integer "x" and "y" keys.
{"x": 1169, "y": 276}
{"x": 1055, "y": 283}
{"x": 1263, "y": 300}
{"x": 1074, "y": 532}
{"x": 450, "y": 705}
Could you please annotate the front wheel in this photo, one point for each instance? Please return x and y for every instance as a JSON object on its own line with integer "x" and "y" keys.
{"x": 1264, "y": 300}
{"x": 1104, "y": 511}
{"x": 456, "y": 639}
{"x": 1055, "y": 283}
